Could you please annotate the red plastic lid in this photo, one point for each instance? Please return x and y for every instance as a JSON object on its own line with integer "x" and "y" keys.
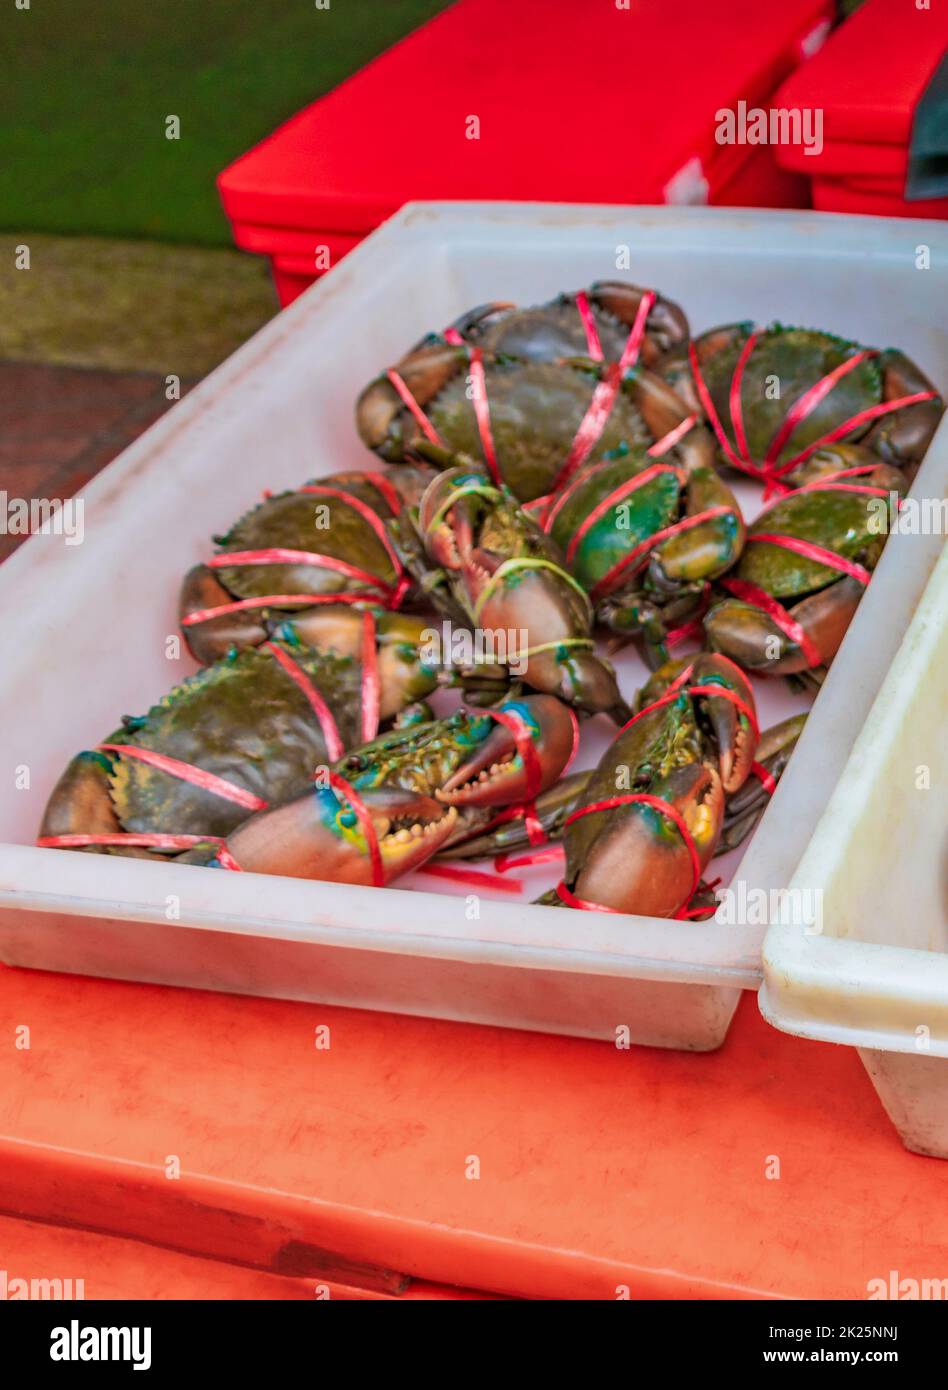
{"x": 572, "y": 102}
{"x": 869, "y": 76}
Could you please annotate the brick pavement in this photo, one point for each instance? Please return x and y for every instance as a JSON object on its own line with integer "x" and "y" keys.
{"x": 60, "y": 425}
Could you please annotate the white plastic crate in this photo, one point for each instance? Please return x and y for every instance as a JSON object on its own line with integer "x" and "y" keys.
{"x": 92, "y": 623}
{"x": 876, "y": 977}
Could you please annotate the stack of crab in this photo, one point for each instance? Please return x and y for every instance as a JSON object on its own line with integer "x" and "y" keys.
{"x": 552, "y": 474}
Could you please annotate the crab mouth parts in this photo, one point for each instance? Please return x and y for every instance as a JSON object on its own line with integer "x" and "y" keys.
{"x": 455, "y": 793}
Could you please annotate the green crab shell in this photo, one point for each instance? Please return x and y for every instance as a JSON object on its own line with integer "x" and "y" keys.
{"x": 789, "y": 360}
{"x": 308, "y": 521}
{"x": 837, "y": 521}
{"x": 536, "y": 409}
{"x": 546, "y": 332}
{"x": 243, "y": 719}
{"x": 624, "y": 525}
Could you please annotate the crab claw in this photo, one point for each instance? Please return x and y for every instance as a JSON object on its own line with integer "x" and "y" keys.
{"x": 902, "y": 436}
{"x": 81, "y": 804}
{"x": 640, "y": 862}
{"x": 473, "y": 323}
{"x": 320, "y": 836}
{"x": 449, "y": 512}
{"x": 753, "y": 638}
{"x": 497, "y": 774}
{"x": 381, "y": 419}
{"x": 745, "y": 808}
{"x": 734, "y": 732}
{"x": 582, "y": 678}
{"x": 559, "y": 659}
{"x": 210, "y": 638}
{"x": 550, "y": 809}
{"x": 665, "y": 328}
{"x": 704, "y": 551}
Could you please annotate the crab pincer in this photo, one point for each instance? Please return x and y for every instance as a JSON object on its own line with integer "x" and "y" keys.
{"x": 534, "y": 740}
{"x": 340, "y": 836}
{"x": 650, "y": 860}
{"x": 726, "y": 702}
{"x": 746, "y": 806}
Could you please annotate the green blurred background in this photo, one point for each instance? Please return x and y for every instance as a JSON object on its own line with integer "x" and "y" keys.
{"x": 88, "y": 85}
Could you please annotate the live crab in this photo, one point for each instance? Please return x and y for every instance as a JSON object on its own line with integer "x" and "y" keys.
{"x": 532, "y": 393}
{"x": 774, "y": 396}
{"x": 244, "y": 766}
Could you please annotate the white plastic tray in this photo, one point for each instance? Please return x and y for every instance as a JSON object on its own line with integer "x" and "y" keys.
{"x": 877, "y": 976}
{"x": 90, "y": 625}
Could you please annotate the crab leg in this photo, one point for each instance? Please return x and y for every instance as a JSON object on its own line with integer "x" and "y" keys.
{"x": 548, "y": 814}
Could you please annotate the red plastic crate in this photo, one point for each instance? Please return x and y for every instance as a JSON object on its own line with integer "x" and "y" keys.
{"x": 867, "y": 81}
{"x": 96, "y": 1266}
{"x": 868, "y": 78}
{"x": 574, "y": 103}
{"x": 296, "y": 257}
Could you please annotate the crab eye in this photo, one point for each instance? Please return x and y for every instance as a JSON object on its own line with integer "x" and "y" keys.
{"x": 355, "y": 761}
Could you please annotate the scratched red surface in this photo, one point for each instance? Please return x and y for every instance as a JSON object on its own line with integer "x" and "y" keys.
{"x": 597, "y": 1167}
{"x": 110, "y": 1267}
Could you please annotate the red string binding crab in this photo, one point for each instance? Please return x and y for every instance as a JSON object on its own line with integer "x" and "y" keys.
{"x": 244, "y": 766}
{"x": 774, "y": 396}
{"x": 651, "y": 815}
{"x": 325, "y": 542}
{"x": 536, "y": 415}
{"x": 646, "y": 535}
{"x": 806, "y": 563}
